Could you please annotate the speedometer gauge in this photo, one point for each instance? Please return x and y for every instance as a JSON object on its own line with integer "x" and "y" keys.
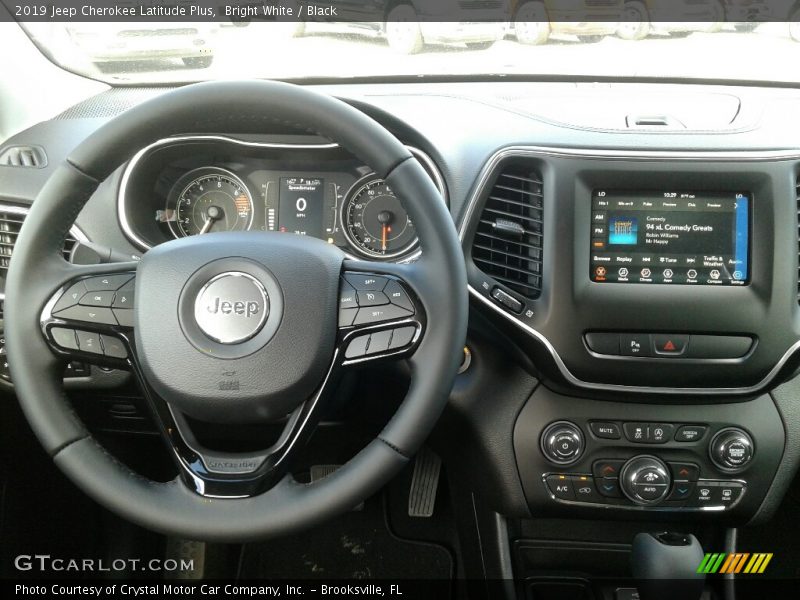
{"x": 207, "y": 200}
{"x": 375, "y": 222}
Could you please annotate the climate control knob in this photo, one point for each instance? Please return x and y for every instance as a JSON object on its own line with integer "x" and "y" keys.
{"x": 645, "y": 480}
{"x": 562, "y": 442}
{"x": 731, "y": 449}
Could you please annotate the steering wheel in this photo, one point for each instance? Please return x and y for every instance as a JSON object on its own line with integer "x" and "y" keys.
{"x": 234, "y": 327}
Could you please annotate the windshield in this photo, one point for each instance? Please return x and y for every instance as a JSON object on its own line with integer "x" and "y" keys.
{"x": 737, "y": 40}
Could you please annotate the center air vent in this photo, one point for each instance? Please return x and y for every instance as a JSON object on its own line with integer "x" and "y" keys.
{"x": 508, "y": 240}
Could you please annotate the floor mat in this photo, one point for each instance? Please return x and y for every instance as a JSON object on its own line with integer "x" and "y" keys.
{"x": 357, "y": 545}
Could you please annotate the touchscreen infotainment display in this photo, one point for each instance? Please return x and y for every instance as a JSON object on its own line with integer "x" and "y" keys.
{"x": 693, "y": 238}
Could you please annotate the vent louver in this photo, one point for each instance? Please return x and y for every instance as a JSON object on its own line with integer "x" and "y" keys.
{"x": 10, "y": 224}
{"x": 508, "y": 240}
{"x": 23, "y": 156}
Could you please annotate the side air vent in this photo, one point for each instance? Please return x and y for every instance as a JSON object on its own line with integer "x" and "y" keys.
{"x": 508, "y": 240}
{"x": 23, "y": 156}
{"x": 10, "y": 224}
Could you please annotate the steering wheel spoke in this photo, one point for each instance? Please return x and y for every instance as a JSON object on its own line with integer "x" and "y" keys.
{"x": 221, "y": 474}
{"x": 379, "y": 316}
{"x": 90, "y": 316}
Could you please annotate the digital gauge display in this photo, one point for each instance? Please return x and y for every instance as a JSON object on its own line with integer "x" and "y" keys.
{"x": 301, "y": 206}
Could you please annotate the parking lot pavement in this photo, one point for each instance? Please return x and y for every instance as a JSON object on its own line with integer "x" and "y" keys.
{"x": 256, "y": 51}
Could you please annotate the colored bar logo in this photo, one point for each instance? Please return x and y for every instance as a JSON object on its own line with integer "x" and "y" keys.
{"x": 739, "y": 562}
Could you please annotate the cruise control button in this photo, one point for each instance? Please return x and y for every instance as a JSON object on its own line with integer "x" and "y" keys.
{"x": 64, "y": 337}
{"x": 607, "y": 431}
{"x": 379, "y": 342}
{"x": 357, "y": 347}
{"x": 88, "y": 314}
{"x": 585, "y": 491}
{"x": 372, "y": 299}
{"x": 398, "y": 296}
{"x": 379, "y": 314}
{"x": 107, "y": 282}
{"x": 97, "y": 299}
{"x": 681, "y": 490}
{"x": 690, "y": 433}
{"x": 364, "y": 282}
{"x": 402, "y": 337}
{"x": 608, "y": 488}
{"x": 346, "y": 316}
{"x": 71, "y": 297}
{"x": 124, "y": 316}
{"x": 124, "y": 297}
{"x": 683, "y": 471}
{"x": 561, "y": 487}
{"x": 89, "y": 342}
{"x": 113, "y": 347}
{"x": 347, "y": 296}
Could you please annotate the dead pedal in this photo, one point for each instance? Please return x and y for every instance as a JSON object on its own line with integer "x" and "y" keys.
{"x": 424, "y": 484}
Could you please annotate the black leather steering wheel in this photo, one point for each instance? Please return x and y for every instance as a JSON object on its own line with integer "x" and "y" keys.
{"x": 233, "y": 327}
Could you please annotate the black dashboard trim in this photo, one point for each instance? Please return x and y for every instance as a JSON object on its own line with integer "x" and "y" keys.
{"x": 502, "y": 154}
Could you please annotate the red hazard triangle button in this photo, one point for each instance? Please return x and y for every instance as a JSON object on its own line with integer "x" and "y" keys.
{"x": 670, "y": 344}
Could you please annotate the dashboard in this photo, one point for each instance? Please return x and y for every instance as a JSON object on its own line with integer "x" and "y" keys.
{"x": 634, "y": 291}
{"x": 203, "y": 184}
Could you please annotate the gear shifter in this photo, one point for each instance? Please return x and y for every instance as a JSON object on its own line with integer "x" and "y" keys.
{"x": 665, "y": 566}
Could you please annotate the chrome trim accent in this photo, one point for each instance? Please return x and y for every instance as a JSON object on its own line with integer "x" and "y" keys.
{"x": 543, "y": 151}
{"x": 651, "y": 508}
{"x": 137, "y": 241}
{"x": 74, "y": 231}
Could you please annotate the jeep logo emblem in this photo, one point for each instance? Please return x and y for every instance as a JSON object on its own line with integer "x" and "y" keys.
{"x": 231, "y": 308}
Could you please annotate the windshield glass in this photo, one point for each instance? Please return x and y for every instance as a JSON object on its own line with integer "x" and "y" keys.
{"x": 729, "y": 40}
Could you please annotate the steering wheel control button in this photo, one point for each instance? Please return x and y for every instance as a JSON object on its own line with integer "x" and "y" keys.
{"x": 231, "y": 307}
{"x": 380, "y": 314}
{"x": 347, "y": 316}
{"x": 109, "y": 283}
{"x": 398, "y": 296}
{"x": 347, "y": 296}
{"x": 608, "y": 468}
{"x": 70, "y": 297}
{"x": 364, "y": 282}
{"x": 690, "y": 433}
{"x": 669, "y": 344}
{"x": 645, "y": 480}
{"x": 97, "y": 299}
{"x": 372, "y": 299}
{"x": 562, "y": 442}
{"x": 682, "y": 471}
{"x": 124, "y": 316}
{"x": 507, "y": 300}
{"x": 606, "y": 431}
{"x": 358, "y": 347}
{"x": 88, "y": 314}
{"x": 379, "y": 342}
{"x": 561, "y": 486}
{"x": 113, "y": 347}
{"x": 401, "y": 337}
{"x": 65, "y": 338}
{"x": 731, "y": 449}
{"x": 89, "y": 342}
{"x": 603, "y": 343}
{"x": 636, "y": 344}
{"x": 124, "y": 298}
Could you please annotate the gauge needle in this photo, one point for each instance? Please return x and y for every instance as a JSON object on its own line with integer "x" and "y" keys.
{"x": 214, "y": 213}
{"x": 384, "y": 231}
{"x": 385, "y": 218}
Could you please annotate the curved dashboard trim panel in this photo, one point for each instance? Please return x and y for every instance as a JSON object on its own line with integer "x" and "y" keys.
{"x": 129, "y": 168}
{"x": 590, "y": 153}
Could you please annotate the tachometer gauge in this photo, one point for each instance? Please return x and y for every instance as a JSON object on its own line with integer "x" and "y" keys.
{"x": 375, "y": 222}
{"x": 207, "y": 200}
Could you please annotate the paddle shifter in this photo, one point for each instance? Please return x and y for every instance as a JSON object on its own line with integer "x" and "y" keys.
{"x": 665, "y": 566}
